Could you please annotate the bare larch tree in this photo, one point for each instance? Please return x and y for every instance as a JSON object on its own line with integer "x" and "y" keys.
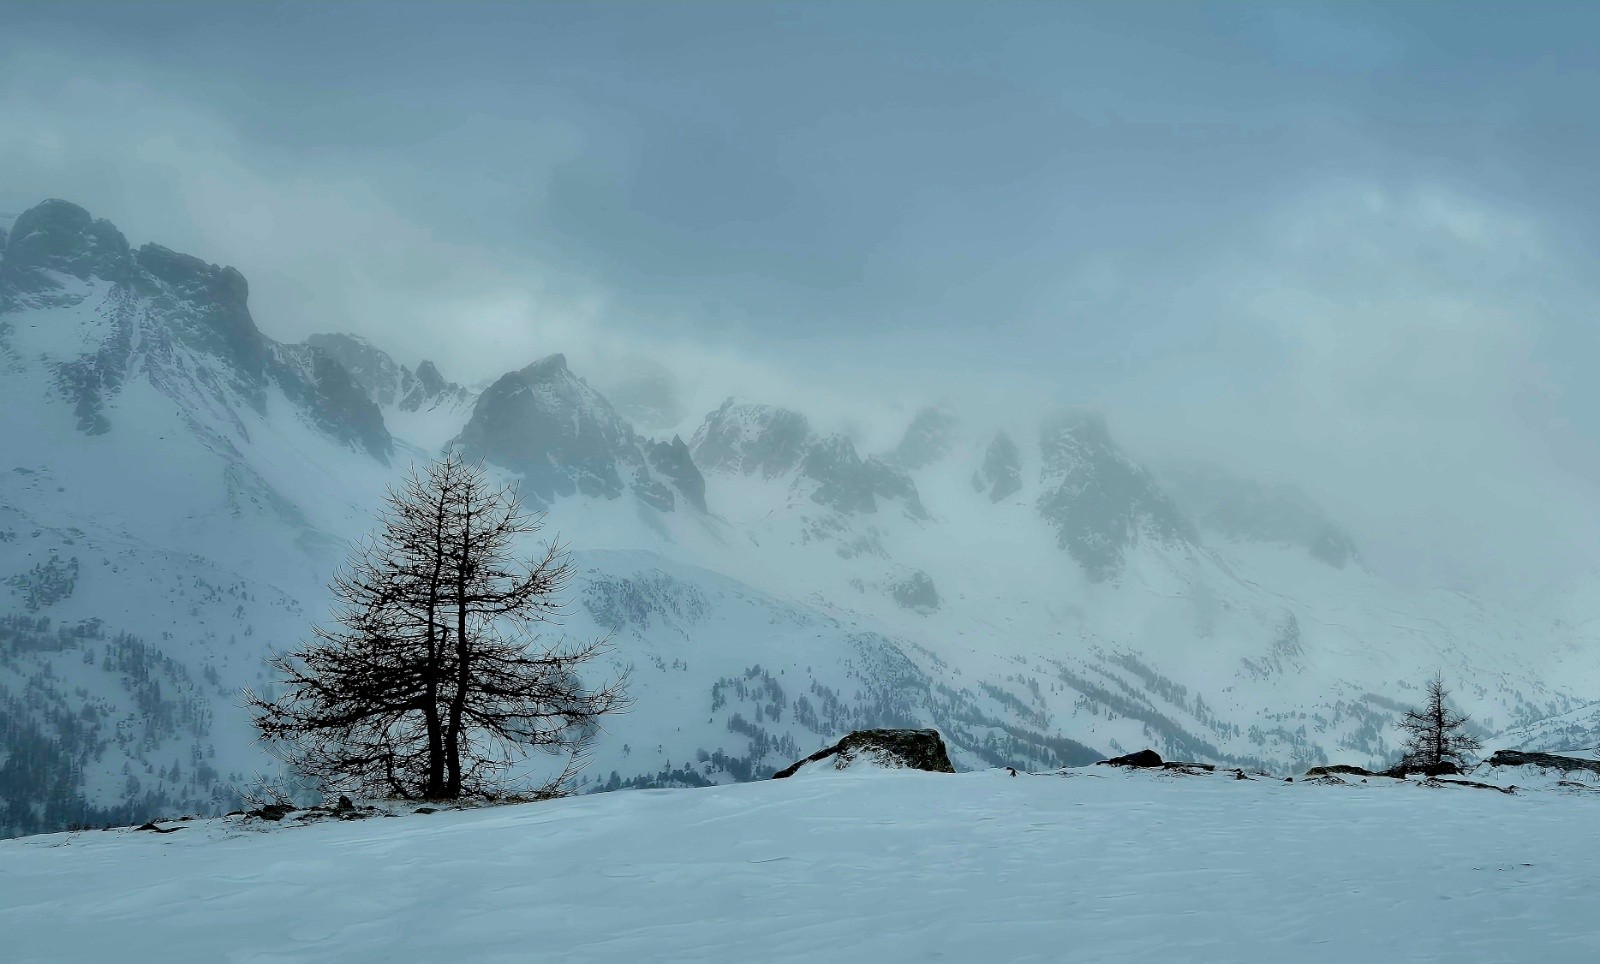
{"x": 432, "y": 681}
{"x": 1435, "y": 734}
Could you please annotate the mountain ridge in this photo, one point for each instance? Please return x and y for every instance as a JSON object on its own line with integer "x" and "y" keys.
{"x": 175, "y": 484}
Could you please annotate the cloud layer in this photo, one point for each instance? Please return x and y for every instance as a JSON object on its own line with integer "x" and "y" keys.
{"x": 1221, "y": 228}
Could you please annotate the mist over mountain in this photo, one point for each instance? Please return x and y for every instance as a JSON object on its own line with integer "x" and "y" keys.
{"x": 176, "y": 487}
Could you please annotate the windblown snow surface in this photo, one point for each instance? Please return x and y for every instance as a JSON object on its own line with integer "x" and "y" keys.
{"x": 1091, "y": 864}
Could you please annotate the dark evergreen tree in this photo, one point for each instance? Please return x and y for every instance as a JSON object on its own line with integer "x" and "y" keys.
{"x": 1436, "y": 737}
{"x": 432, "y": 680}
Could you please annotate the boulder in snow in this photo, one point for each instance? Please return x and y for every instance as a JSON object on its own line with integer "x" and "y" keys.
{"x": 1342, "y": 769}
{"x": 884, "y": 749}
{"x": 1144, "y": 759}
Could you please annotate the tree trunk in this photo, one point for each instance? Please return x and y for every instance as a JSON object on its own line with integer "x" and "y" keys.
{"x": 463, "y": 667}
{"x": 437, "y": 641}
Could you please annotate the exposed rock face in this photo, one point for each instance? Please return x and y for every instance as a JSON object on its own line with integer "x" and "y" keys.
{"x": 387, "y": 382}
{"x": 1100, "y": 501}
{"x": 57, "y": 236}
{"x": 548, "y": 425}
{"x": 427, "y": 388}
{"x": 673, "y": 461}
{"x": 752, "y": 440}
{"x": 564, "y": 438}
{"x": 927, "y": 439}
{"x": 917, "y": 592}
{"x": 769, "y": 442}
{"x": 1000, "y": 475}
{"x": 1144, "y": 759}
{"x": 1548, "y": 761}
{"x": 336, "y": 404}
{"x": 849, "y": 483}
{"x": 884, "y": 749}
{"x": 207, "y": 306}
{"x": 369, "y": 366}
{"x": 155, "y": 304}
{"x": 1238, "y": 508}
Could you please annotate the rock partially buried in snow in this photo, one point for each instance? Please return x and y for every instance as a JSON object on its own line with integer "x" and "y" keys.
{"x": 1144, "y": 759}
{"x": 1151, "y": 760}
{"x": 1342, "y": 769}
{"x": 1546, "y": 761}
{"x": 880, "y": 749}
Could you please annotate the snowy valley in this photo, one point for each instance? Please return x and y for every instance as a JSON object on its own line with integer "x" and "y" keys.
{"x": 176, "y": 488}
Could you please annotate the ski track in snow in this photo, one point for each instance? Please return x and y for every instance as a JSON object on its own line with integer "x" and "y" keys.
{"x": 1099, "y": 865}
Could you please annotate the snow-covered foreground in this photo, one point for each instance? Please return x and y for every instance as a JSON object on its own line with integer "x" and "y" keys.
{"x": 907, "y": 866}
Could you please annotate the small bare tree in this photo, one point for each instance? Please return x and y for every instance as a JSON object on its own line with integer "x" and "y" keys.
{"x": 1436, "y": 737}
{"x": 432, "y": 681}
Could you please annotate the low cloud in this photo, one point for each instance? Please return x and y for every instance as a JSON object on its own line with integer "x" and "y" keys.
{"x": 1402, "y": 353}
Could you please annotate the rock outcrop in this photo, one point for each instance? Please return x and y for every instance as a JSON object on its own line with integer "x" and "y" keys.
{"x": 917, "y": 592}
{"x": 1151, "y": 760}
{"x": 1100, "y": 501}
{"x": 1546, "y": 761}
{"x": 1000, "y": 475}
{"x": 1341, "y": 770}
{"x": 1143, "y": 760}
{"x": 927, "y": 439}
{"x": 883, "y": 749}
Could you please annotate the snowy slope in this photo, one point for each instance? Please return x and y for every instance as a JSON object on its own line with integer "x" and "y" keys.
{"x": 874, "y": 866}
{"x": 176, "y": 488}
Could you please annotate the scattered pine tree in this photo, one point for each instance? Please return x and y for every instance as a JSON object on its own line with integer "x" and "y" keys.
{"x": 432, "y": 681}
{"x": 1436, "y": 737}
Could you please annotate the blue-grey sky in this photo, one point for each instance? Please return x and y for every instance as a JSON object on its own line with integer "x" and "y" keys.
{"x": 1350, "y": 245}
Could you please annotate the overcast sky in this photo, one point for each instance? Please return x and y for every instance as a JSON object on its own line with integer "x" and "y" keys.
{"x": 1351, "y": 246}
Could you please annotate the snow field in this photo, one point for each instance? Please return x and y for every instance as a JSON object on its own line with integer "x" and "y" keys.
{"x": 1095, "y": 865}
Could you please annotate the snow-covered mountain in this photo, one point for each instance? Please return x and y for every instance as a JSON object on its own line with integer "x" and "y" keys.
{"x": 176, "y": 487}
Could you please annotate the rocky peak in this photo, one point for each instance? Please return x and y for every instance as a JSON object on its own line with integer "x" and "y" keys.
{"x": 548, "y": 368}
{"x": 370, "y": 366}
{"x": 429, "y": 379}
{"x": 752, "y": 439}
{"x": 205, "y": 304}
{"x": 427, "y": 388}
{"x": 565, "y": 439}
{"x": 385, "y": 381}
{"x": 162, "y": 304}
{"x": 927, "y": 439}
{"x": 57, "y": 236}
{"x": 1000, "y": 475}
{"x": 1098, "y": 499}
